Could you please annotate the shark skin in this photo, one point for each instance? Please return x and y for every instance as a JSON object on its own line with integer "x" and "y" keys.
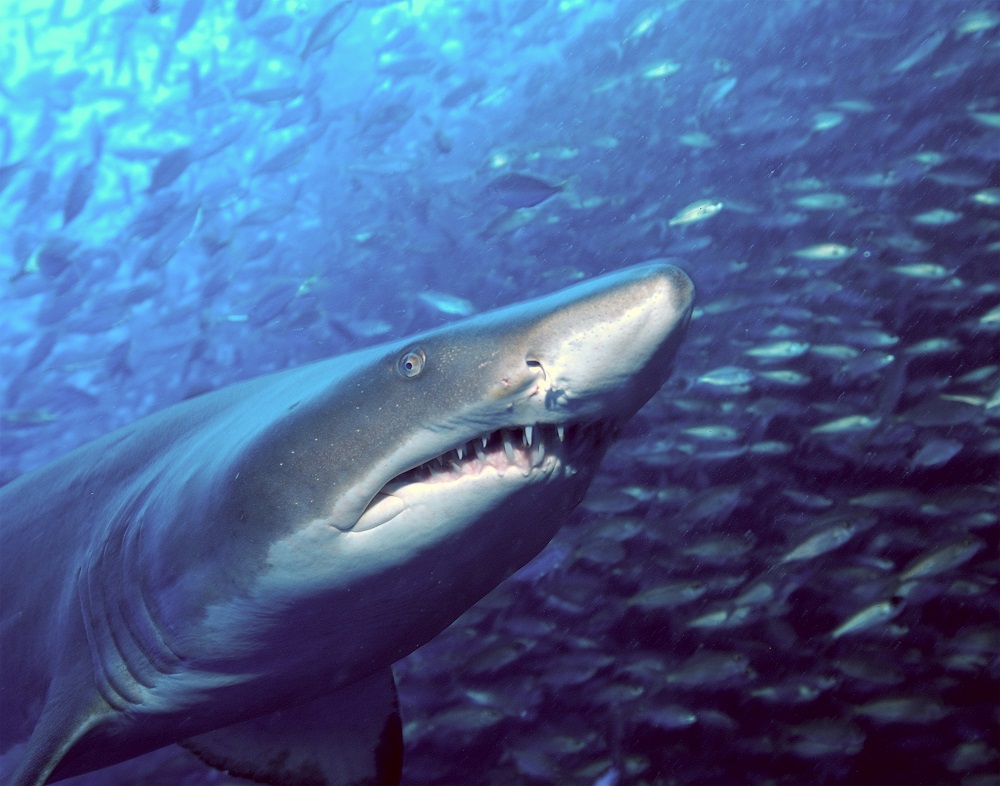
{"x": 238, "y": 572}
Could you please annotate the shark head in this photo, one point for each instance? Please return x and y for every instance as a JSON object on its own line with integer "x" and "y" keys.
{"x": 433, "y": 468}
{"x": 533, "y": 393}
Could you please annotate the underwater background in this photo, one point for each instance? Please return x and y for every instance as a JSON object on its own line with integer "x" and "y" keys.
{"x": 787, "y": 570}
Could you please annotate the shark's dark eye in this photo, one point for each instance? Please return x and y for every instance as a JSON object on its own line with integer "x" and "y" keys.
{"x": 412, "y": 363}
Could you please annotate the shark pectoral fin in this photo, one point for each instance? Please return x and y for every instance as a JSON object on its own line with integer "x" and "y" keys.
{"x": 353, "y": 736}
{"x": 72, "y": 709}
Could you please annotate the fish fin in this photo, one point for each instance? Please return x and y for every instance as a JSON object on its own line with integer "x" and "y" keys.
{"x": 353, "y": 736}
{"x": 70, "y": 713}
{"x": 568, "y": 187}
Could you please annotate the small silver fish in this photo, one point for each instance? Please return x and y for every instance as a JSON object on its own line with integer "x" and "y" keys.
{"x": 870, "y": 617}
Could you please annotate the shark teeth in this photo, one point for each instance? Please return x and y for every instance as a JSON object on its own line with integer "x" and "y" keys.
{"x": 524, "y": 448}
{"x": 508, "y": 446}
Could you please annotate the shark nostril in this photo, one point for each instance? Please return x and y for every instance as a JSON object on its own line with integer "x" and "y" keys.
{"x": 535, "y": 364}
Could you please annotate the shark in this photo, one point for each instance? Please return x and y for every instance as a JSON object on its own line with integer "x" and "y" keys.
{"x": 238, "y": 572}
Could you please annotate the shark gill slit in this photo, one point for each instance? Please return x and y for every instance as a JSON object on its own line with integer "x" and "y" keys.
{"x": 128, "y": 648}
{"x": 95, "y": 623}
{"x": 148, "y": 634}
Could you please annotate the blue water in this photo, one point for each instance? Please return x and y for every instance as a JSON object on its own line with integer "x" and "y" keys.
{"x": 195, "y": 193}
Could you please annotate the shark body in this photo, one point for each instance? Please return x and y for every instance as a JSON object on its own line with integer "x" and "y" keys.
{"x": 238, "y": 572}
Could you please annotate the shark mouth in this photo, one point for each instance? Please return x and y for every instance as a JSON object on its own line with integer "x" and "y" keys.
{"x": 542, "y": 447}
{"x": 523, "y": 448}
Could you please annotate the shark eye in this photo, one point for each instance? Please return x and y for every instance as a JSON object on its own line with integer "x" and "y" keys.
{"x": 411, "y": 363}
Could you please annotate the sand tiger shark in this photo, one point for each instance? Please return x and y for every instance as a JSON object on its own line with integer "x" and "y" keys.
{"x": 238, "y": 572}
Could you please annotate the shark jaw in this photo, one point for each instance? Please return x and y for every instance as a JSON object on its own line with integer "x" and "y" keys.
{"x": 517, "y": 455}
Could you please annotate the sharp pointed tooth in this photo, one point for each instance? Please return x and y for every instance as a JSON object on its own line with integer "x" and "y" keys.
{"x": 539, "y": 453}
{"x": 460, "y": 450}
{"x": 485, "y": 440}
{"x": 561, "y": 431}
{"x": 480, "y": 453}
{"x": 527, "y": 435}
{"x": 508, "y": 447}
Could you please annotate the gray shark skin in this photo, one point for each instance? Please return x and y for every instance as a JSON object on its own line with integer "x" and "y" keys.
{"x": 239, "y": 571}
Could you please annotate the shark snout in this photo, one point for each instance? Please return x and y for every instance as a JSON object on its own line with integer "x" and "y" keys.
{"x": 611, "y": 344}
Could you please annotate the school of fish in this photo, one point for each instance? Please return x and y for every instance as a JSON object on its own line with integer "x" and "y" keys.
{"x": 787, "y": 570}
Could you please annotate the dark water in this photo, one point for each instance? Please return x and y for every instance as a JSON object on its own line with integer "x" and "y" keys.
{"x": 194, "y": 194}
